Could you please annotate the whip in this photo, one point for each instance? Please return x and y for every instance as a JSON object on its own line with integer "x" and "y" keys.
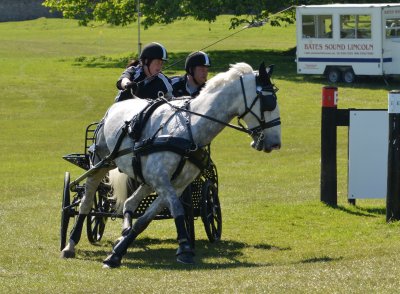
{"x": 253, "y": 24}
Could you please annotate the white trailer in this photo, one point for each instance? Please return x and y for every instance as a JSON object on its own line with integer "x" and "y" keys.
{"x": 343, "y": 41}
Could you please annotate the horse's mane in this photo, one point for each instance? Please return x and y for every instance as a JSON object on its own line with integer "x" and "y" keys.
{"x": 221, "y": 79}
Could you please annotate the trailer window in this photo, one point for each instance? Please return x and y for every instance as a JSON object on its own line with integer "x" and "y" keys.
{"x": 393, "y": 28}
{"x": 317, "y": 26}
{"x": 355, "y": 26}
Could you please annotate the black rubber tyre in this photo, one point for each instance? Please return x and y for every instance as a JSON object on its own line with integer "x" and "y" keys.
{"x": 333, "y": 75}
{"x": 211, "y": 211}
{"x": 65, "y": 211}
{"x": 348, "y": 76}
{"x": 95, "y": 225}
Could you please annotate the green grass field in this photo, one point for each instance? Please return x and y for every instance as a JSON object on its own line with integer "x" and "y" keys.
{"x": 57, "y": 77}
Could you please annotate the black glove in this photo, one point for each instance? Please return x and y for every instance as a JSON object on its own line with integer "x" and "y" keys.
{"x": 132, "y": 86}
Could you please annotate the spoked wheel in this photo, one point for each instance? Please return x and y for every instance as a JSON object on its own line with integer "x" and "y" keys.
{"x": 211, "y": 211}
{"x": 95, "y": 225}
{"x": 65, "y": 215}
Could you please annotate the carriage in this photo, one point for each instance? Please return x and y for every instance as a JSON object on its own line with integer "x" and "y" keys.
{"x": 200, "y": 200}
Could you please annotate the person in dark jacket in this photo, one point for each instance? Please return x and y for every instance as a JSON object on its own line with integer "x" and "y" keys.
{"x": 190, "y": 84}
{"x": 143, "y": 78}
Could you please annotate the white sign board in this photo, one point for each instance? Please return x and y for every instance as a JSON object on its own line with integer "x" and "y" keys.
{"x": 368, "y": 154}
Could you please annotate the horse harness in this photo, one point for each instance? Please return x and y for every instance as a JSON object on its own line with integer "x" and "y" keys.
{"x": 200, "y": 156}
{"x": 186, "y": 148}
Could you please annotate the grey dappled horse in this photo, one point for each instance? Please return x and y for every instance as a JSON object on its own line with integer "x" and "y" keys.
{"x": 239, "y": 92}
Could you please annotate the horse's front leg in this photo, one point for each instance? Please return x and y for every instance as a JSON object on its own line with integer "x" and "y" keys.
{"x": 91, "y": 185}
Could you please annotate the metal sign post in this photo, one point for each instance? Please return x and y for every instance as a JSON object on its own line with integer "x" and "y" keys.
{"x": 393, "y": 180}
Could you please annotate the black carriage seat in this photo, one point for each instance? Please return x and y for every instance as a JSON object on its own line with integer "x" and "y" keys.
{"x": 83, "y": 159}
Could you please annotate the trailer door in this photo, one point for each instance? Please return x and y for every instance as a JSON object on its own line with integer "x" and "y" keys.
{"x": 391, "y": 45}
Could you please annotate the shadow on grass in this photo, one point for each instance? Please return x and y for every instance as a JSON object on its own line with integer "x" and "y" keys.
{"x": 284, "y": 60}
{"x": 361, "y": 211}
{"x": 374, "y": 210}
{"x": 220, "y": 255}
{"x": 320, "y": 259}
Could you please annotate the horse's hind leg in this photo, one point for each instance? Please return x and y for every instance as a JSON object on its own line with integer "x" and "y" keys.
{"x": 131, "y": 204}
{"x": 91, "y": 185}
{"x": 119, "y": 250}
{"x": 185, "y": 252}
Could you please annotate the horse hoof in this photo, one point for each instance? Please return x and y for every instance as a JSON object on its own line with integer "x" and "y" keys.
{"x": 185, "y": 258}
{"x": 112, "y": 261}
{"x": 67, "y": 254}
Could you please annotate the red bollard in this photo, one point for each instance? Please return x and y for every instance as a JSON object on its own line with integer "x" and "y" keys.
{"x": 329, "y": 96}
{"x": 328, "y": 146}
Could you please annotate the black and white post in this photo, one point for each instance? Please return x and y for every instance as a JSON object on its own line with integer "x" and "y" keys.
{"x": 393, "y": 181}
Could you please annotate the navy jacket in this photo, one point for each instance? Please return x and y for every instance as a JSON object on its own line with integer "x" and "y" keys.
{"x": 180, "y": 88}
{"x": 152, "y": 87}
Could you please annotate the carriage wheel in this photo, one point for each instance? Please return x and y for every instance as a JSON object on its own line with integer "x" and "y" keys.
{"x": 65, "y": 215}
{"x": 95, "y": 225}
{"x": 211, "y": 211}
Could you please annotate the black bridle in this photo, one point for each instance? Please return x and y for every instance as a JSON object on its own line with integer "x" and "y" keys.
{"x": 267, "y": 103}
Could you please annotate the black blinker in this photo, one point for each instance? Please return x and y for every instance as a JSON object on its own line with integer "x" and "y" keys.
{"x": 268, "y": 102}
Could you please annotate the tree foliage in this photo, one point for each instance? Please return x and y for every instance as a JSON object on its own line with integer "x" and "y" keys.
{"x": 123, "y": 12}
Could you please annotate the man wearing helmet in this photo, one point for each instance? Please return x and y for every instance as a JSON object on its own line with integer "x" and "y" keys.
{"x": 190, "y": 84}
{"x": 144, "y": 78}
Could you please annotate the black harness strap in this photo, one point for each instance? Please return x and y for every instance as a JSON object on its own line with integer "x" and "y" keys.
{"x": 181, "y": 146}
{"x": 138, "y": 122}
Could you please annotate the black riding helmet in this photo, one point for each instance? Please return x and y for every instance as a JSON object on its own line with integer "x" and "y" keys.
{"x": 198, "y": 58}
{"x": 154, "y": 51}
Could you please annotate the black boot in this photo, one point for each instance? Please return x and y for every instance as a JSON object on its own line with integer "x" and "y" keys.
{"x": 77, "y": 230}
{"x": 185, "y": 253}
{"x": 112, "y": 261}
{"x": 119, "y": 250}
{"x": 127, "y": 224}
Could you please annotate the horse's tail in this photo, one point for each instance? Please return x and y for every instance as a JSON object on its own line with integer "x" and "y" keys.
{"x": 119, "y": 184}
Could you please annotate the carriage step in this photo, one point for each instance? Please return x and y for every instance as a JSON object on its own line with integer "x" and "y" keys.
{"x": 81, "y": 160}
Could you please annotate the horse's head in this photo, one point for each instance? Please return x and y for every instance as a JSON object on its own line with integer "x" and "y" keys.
{"x": 261, "y": 112}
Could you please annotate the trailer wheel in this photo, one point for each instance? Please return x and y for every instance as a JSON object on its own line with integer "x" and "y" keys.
{"x": 333, "y": 75}
{"x": 349, "y": 76}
